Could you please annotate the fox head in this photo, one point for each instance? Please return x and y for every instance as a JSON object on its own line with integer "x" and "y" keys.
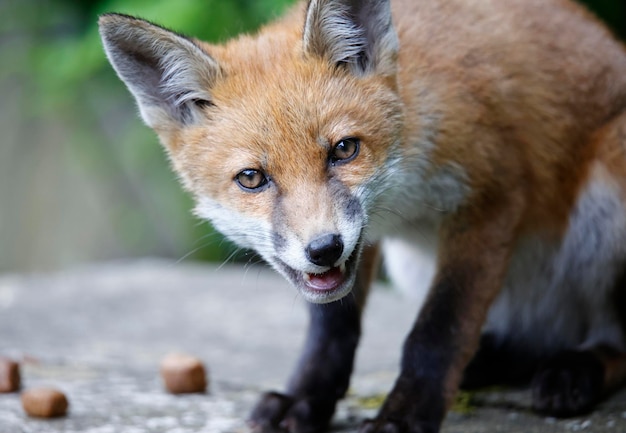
{"x": 287, "y": 139}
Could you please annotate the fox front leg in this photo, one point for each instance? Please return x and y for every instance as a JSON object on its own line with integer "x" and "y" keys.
{"x": 323, "y": 374}
{"x": 473, "y": 256}
{"x": 321, "y": 378}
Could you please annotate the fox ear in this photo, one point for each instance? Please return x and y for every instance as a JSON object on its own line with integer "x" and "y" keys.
{"x": 355, "y": 33}
{"x": 168, "y": 74}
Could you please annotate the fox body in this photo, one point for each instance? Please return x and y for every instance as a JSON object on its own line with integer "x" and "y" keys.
{"x": 490, "y": 134}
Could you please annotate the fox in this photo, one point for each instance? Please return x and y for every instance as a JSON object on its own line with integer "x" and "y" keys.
{"x": 350, "y": 135}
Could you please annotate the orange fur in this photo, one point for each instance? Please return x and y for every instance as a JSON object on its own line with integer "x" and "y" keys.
{"x": 454, "y": 49}
{"x": 495, "y": 123}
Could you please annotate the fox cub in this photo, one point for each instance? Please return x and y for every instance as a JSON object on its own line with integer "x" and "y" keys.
{"x": 490, "y": 133}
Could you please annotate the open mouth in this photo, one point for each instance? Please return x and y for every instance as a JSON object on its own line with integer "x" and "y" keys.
{"x": 326, "y": 281}
{"x": 327, "y": 286}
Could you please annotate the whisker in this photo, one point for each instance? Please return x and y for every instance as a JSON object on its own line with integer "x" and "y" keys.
{"x": 194, "y": 250}
{"x": 230, "y": 256}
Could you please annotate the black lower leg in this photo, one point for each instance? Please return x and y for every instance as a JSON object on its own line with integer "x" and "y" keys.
{"x": 568, "y": 384}
{"x": 322, "y": 376}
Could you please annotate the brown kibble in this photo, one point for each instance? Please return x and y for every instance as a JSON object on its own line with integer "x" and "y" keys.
{"x": 9, "y": 375}
{"x": 44, "y": 402}
{"x": 183, "y": 374}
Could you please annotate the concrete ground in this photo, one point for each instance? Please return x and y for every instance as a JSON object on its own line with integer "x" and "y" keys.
{"x": 99, "y": 334}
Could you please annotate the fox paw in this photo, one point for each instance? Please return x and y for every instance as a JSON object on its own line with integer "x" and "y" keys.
{"x": 280, "y": 413}
{"x": 568, "y": 385}
{"x": 379, "y": 425}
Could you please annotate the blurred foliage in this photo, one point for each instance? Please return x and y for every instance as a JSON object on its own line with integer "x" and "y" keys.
{"x": 60, "y": 89}
{"x": 77, "y": 148}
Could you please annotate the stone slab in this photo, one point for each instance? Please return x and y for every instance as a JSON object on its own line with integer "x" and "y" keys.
{"x": 98, "y": 334}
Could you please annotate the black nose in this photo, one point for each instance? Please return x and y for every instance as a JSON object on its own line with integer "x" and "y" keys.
{"x": 325, "y": 250}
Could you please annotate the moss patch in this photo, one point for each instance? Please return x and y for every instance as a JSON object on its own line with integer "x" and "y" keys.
{"x": 464, "y": 403}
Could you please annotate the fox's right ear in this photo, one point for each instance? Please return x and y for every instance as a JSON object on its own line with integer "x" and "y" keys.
{"x": 168, "y": 74}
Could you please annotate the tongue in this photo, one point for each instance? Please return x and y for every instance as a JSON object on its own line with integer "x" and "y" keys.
{"x": 327, "y": 281}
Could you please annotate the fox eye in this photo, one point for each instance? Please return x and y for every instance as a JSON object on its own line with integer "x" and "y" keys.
{"x": 251, "y": 180}
{"x": 345, "y": 150}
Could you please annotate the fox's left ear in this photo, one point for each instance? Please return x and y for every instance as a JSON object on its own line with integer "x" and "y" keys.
{"x": 356, "y": 33}
{"x": 168, "y": 74}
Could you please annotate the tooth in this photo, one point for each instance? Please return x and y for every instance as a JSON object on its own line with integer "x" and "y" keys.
{"x": 342, "y": 268}
{"x": 307, "y": 277}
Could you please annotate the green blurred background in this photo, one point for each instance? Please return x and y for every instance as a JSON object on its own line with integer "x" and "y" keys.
{"x": 81, "y": 178}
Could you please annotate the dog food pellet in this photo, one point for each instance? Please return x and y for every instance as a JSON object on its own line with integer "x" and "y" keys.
{"x": 9, "y": 375}
{"x": 44, "y": 402}
{"x": 183, "y": 374}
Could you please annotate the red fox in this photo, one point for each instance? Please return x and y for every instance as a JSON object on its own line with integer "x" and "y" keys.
{"x": 490, "y": 133}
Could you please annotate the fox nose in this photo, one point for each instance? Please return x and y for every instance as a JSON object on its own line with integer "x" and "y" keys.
{"x": 325, "y": 250}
